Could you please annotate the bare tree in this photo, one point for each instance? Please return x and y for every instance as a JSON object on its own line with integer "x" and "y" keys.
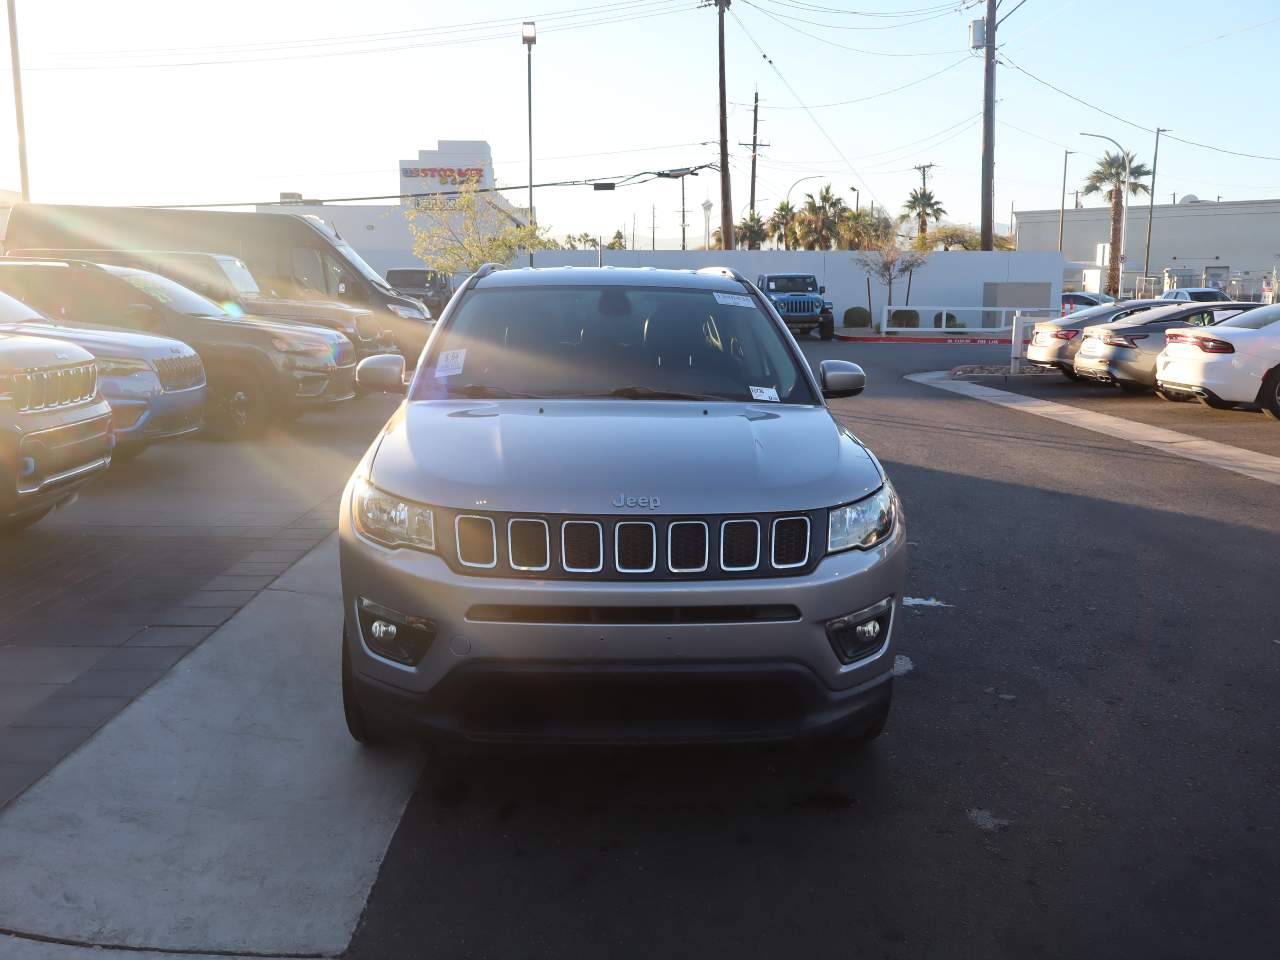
{"x": 889, "y": 262}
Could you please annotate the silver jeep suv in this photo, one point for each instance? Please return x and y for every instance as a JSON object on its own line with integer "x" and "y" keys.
{"x": 614, "y": 507}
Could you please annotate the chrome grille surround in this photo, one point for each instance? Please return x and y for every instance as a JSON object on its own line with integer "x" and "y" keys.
{"x": 653, "y": 546}
{"x": 180, "y": 373}
{"x": 493, "y": 540}
{"x": 668, "y": 548}
{"x": 564, "y": 550}
{"x": 755, "y": 563}
{"x": 511, "y": 544}
{"x": 773, "y": 539}
{"x": 706, "y": 545}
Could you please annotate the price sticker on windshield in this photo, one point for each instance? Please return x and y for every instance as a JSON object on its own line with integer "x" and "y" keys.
{"x": 450, "y": 362}
{"x": 764, "y": 393}
{"x": 734, "y": 300}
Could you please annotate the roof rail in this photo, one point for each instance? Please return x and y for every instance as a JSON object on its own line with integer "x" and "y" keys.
{"x": 488, "y": 268}
{"x": 723, "y": 272}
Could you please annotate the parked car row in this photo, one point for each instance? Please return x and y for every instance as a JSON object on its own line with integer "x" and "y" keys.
{"x": 98, "y": 360}
{"x": 1223, "y": 353}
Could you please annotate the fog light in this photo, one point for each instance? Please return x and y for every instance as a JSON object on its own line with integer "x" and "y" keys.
{"x": 856, "y": 636}
{"x": 394, "y": 635}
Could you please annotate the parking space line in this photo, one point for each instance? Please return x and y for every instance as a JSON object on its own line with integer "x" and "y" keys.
{"x": 224, "y": 811}
{"x": 1258, "y": 466}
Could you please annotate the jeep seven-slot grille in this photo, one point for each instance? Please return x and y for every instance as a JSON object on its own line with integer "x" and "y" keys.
{"x": 58, "y": 387}
{"x": 634, "y": 548}
{"x": 180, "y": 373}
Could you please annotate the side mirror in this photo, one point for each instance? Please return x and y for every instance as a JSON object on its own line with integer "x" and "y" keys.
{"x": 383, "y": 373}
{"x": 822, "y": 291}
{"x": 840, "y": 378}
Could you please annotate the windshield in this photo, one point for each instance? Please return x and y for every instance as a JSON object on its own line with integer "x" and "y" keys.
{"x": 793, "y": 285}
{"x": 611, "y": 341}
{"x": 1254, "y": 319}
{"x": 13, "y": 310}
{"x": 363, "y": 268}
{"x": 173, "y": 295}
{"x": 240, "y": 277}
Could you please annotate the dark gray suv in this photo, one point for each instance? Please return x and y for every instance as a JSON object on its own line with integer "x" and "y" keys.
{"x": 615, "y": 507}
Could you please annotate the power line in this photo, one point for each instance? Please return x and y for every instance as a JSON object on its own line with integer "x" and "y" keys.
{"x": 627, "y": 180}
{"x": 679, "y": 8}
{"x": 888, "y": 26}
{"x": 242, "y": 47}
{"x": 821, "y": 129}
{"x": 883, "y": 93}
{"x": 1132, "y": 123}
{"x": 819, "y": 8}
{"x": 873, "y": 53}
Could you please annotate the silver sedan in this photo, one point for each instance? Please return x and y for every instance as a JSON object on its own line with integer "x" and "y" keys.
{"x": 1124, "y": 353}
{"x": 1054, "y": 343}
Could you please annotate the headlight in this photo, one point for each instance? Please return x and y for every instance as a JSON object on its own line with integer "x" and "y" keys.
{"x": 121, "y": 366}
{"x": 407, "y": 313}
{"x": 864, "y": 524}
{"x": 287, "y": 345}
{"x": 390, "y": 520}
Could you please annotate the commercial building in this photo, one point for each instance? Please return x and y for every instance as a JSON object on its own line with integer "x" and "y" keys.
{"x": 380, "y": 231}
{"x": 1232, "y": 244}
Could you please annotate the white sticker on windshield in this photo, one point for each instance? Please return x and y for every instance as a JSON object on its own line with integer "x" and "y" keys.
{"x": 449, "y": 363}
{"x": 733, "y": 299}
{"x": 764, "y": 393}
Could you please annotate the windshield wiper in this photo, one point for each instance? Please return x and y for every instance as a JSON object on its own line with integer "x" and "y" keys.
{"x": 482, "y": 391}
{"x": 647, "y": 393}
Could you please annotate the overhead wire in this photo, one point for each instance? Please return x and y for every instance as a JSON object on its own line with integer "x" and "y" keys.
{"x": 842, "y": 46}
{"x": 882, "y": 93}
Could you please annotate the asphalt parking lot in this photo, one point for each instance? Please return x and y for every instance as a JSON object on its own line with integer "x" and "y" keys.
{"x": 1081, "y": 758}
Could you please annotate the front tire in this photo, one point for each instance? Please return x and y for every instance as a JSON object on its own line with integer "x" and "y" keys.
{"x": 827, "y": 328}
{"x": 239, "y": 407}
{"x": 363, "y": 731}
{"x": 1132, "y": 386}
{"x": 15, "y": 526}
{"x": 860, "y": 733}
{"x": 1271, "y": 394}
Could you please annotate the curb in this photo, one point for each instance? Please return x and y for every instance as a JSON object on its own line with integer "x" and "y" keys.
{"x": 982, "y": 341}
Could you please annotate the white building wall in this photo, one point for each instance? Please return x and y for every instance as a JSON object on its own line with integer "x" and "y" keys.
{"x": 1243, "y": 236}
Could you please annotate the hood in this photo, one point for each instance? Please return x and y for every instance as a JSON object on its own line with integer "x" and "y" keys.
{"x": 279, "y": 327}
{"x": 325, "y": 311}
{"x": 108, "y": 343}
{"x": 21, "y": 352}
{"x": 569, "y": 456}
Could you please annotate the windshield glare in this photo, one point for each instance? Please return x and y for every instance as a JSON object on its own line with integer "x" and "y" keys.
{"x": 600, "y": 341}
{"x": 1254, "y": 319}
{"x": 793, "y": 285}
{"x": 172, "y": 295}
{"x": 363, "y": 268}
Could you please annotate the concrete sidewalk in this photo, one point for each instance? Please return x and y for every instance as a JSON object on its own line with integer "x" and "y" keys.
{"x": 226, "y": 811}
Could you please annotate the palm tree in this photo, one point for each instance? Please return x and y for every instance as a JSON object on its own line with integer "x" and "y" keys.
{"x": 924, "y": 206}
{"x": 751, "y": 231}
{"x": 819, "y": 222}
{"x": 865, "y": 229}
{"x": 781, "y": 224}
{"x": 1108, "y": 179}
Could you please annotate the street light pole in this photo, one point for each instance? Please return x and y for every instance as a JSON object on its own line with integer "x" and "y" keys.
{"x": 1062, "y": 206}
{"x": 24, "y": 186}
{"x": 529, "y": 35}
{"x": 1151, "y": 204}
{"x": 787, "y": 238}
{"x": 1118, "y": 258}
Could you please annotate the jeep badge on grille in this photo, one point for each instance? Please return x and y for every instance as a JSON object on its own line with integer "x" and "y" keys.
{"x": 644, "y": 503}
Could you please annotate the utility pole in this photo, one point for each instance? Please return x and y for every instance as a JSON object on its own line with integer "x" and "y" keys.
{"x": 989, "y": 129}
{"x": 684, "y": 218}
{"x": 1076, "y": 202}
{"x": 1151, "y": 204}
{"x": 924, "y": 169}
{"x": 726, "y": 198}
{"x": 24, "y": 186}
{"x": 1062, "y": 207}
{"x": 755, "y": 146}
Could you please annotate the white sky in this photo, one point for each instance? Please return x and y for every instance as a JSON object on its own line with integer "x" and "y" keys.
{"x": 614, "y": 98}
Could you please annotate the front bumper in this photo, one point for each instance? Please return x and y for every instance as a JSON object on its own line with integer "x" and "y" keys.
{"x": 612, "y": 681}
{"x": 51, "y": 456}
{"x": 322, "y": 386}
{"x": 164, "y": 415}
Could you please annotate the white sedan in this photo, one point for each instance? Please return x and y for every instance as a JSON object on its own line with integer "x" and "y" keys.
{"x": 1233, "y": 362}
